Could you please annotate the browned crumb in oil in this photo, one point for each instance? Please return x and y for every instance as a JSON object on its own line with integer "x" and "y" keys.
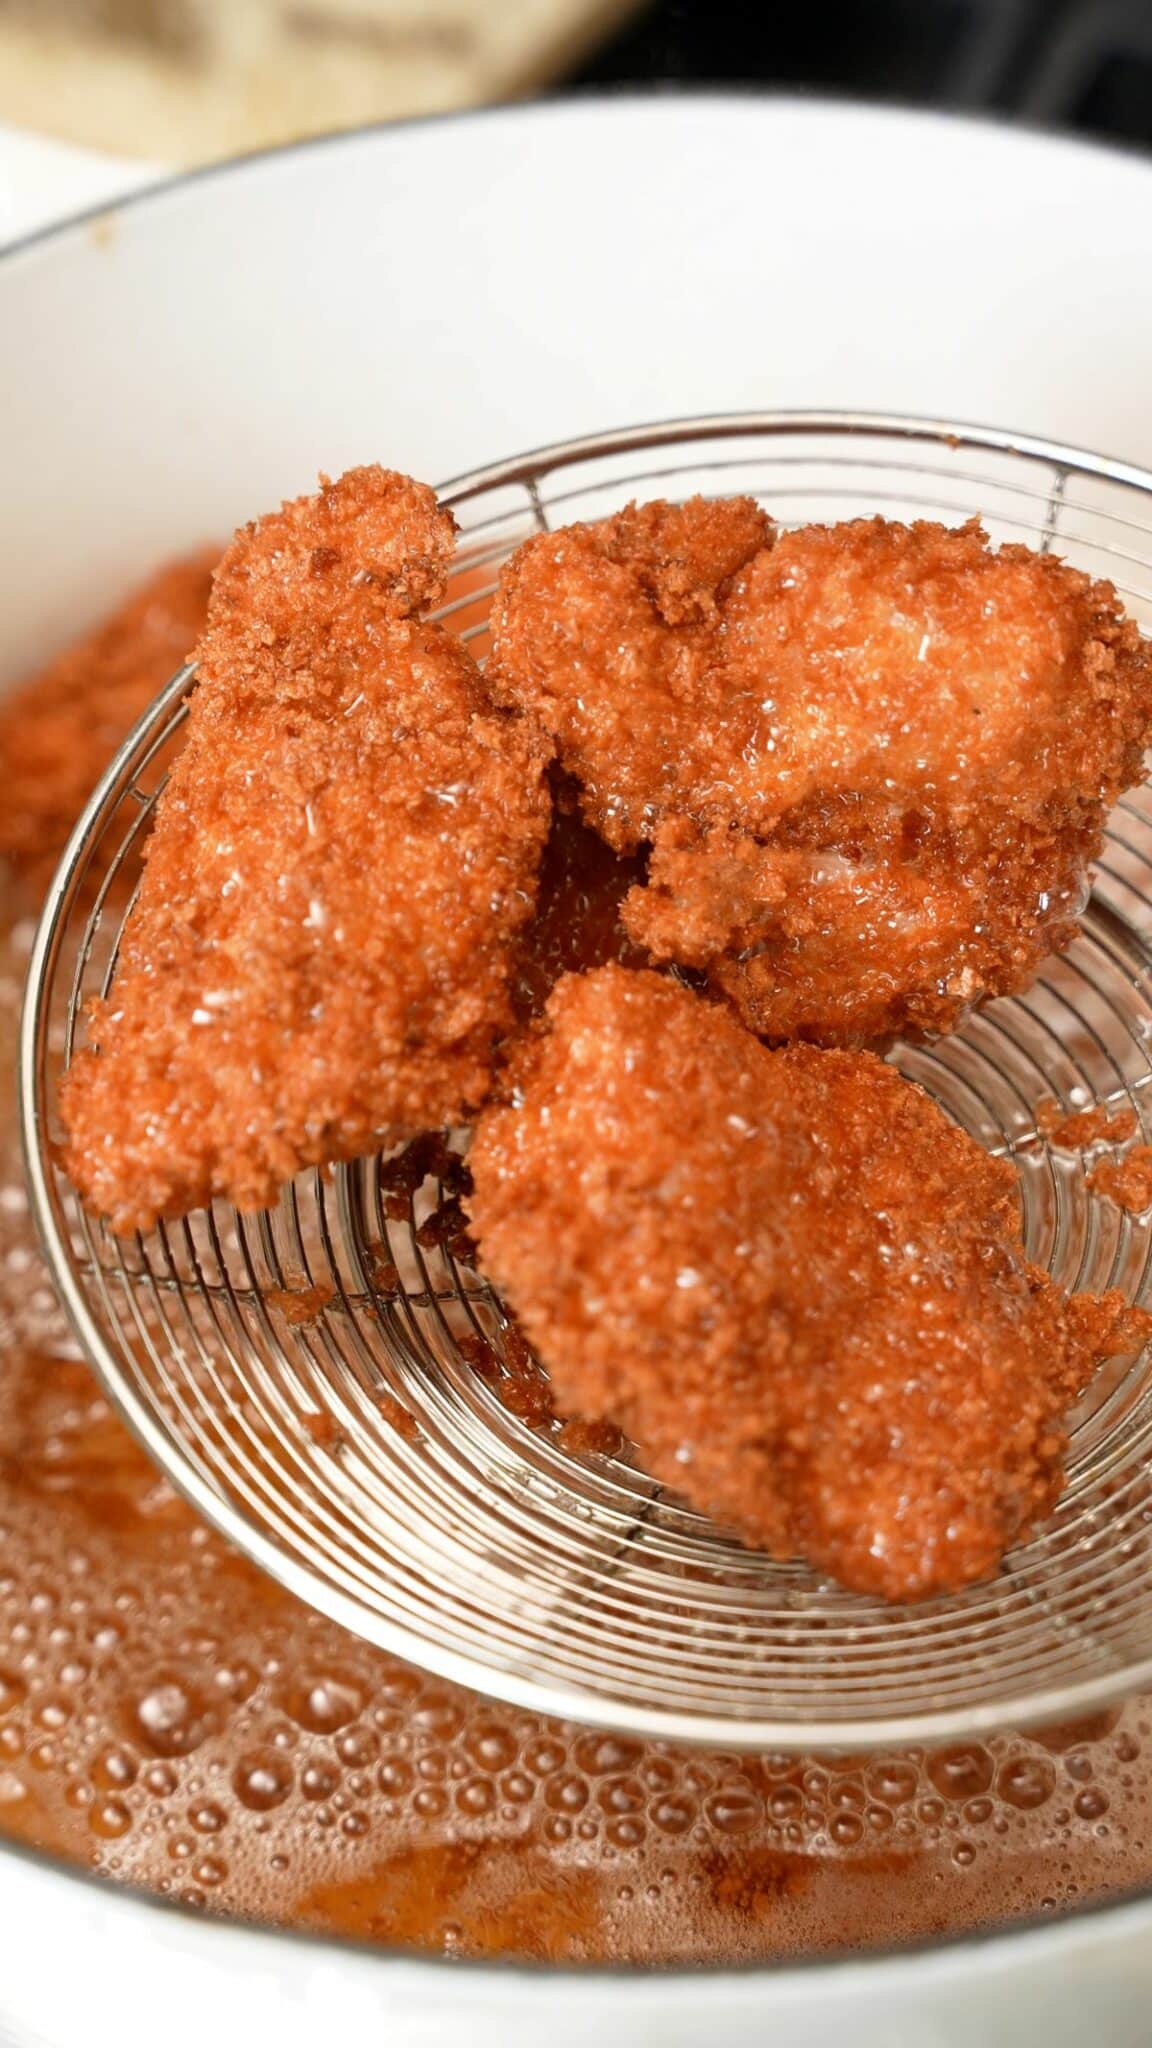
{"x": 514, "y": 1373}
{"x": 584, "y": 1439}
{"x": 528, "y": 1396}
{"x": 512, "y": 1898}
{"x": 1126, "y": 1181}
{"x": 429, "y": 1157}
{"x": 323, "y": 1429}
{"x": 300, "y": 1304}
{"x": 479, "y": 1354}
{"x": 400, "y": 1418}
{"x": 383, "y": 1274}
{"x": 445, "y": 1228}
{"x": 1078, "y": 1130}
{"x": 524, "y": 1387}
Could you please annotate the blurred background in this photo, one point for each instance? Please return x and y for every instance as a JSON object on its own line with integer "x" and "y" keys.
{"x": 184, "y": 81}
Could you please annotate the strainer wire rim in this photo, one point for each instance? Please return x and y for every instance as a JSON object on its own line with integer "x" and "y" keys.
{"x": 511, "y": 1682}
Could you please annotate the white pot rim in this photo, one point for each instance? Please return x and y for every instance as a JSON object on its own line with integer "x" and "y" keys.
{"x": 658, "y": 104}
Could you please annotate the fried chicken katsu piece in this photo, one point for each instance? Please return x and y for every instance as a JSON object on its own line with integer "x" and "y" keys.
{"x": 873, "y": 762}
{"x": 789, "y": 1278}
{"x": 319, "y": 957}
{"x": 60, "y": 729}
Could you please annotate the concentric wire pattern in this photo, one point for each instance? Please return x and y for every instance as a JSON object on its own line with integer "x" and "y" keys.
{"x": 334, "y": 1386}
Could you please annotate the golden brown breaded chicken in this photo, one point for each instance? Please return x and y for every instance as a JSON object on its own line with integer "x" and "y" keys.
{"x": 610, "y": 632}
{"x": 58, "y": 732}
{"x": 789, "y": 1278}
{"x": 873, "y": 760}
{"x": 319, "y": 958}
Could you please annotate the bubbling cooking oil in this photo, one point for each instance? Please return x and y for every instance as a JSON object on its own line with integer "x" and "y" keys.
{"x": 170, "y": 1718}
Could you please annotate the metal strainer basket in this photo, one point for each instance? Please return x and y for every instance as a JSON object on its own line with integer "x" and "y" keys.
{"x": 308, "y": 1377}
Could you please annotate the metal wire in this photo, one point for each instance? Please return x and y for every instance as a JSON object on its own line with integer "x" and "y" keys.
{"x": 309, "y": 1378}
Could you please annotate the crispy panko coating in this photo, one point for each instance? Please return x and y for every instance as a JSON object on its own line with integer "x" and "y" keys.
{"x": 609, "y": 632}
{"x": 790, "y": 1278}
{"x": 59, "y": 730}
{"x": 873, "y": 760}
{"x": 319, "y": 957}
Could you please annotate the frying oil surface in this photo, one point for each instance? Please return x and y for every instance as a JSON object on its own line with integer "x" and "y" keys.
{"x": 169, "y": 1717}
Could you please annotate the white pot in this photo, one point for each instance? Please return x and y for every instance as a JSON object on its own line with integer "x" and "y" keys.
{"x": 84, "y": 1965}
{"x": 435, "y": 296}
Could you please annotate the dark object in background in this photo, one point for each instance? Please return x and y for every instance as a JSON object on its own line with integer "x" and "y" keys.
{"x": 1079, "y": 64}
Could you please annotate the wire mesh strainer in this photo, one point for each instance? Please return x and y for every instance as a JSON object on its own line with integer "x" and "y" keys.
{"x": 307, "y": 1377}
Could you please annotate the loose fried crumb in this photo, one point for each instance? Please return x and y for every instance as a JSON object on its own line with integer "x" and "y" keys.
{"x": 399, "y": 1418}
{"x": 1126, "y": 1181}
{"x": 590, "y": 1439}
{"x": 323, "y": 1429}
{"x": 301, "y": 1304}
{"x": 1079, "y": 1130}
